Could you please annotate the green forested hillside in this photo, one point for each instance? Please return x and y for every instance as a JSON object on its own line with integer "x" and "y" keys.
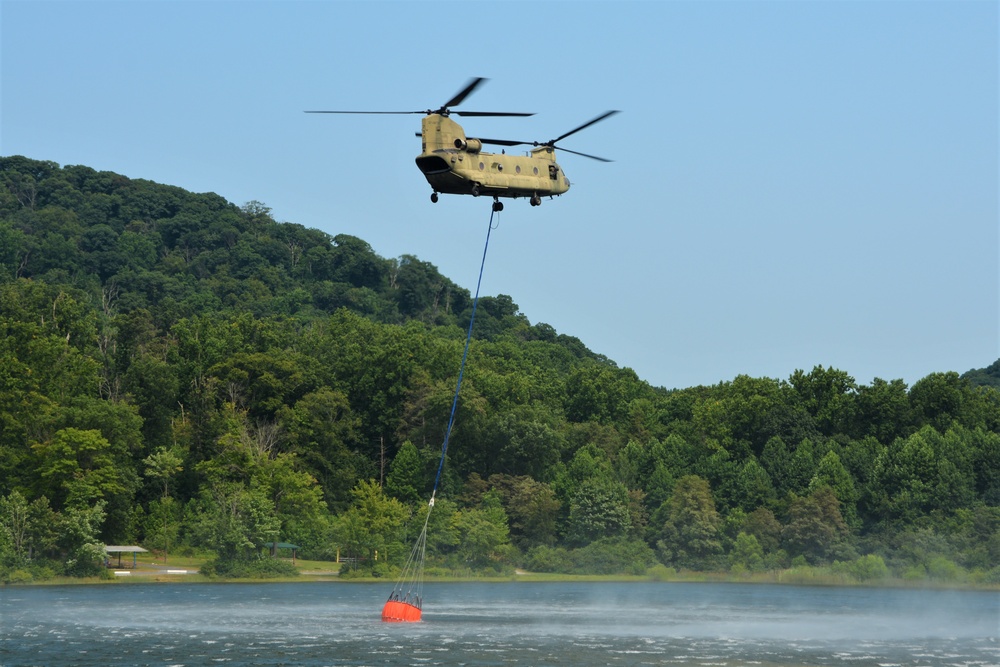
{"x": 986, "y": 377}
{"x": 184, "y": 373}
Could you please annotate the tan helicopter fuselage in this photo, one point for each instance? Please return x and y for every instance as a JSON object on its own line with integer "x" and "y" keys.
{"x": 455, "y": 164}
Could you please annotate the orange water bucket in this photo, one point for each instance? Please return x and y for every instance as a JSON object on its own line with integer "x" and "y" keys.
{"x": 395, "y": 611}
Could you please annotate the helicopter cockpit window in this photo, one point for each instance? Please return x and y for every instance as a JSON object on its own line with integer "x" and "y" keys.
{"x": 553, "y": 171}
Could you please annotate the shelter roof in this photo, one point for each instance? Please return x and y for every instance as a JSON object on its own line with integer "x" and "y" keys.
{"x": 281, "y": 545}
{"x": 111, "y": 549}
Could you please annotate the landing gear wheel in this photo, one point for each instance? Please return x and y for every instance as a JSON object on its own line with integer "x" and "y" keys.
{"x": 497, "y": 205}
{"x": 536, "y": 200}
{"x": 434, "y": 197}
{"x": 475, "y": 190}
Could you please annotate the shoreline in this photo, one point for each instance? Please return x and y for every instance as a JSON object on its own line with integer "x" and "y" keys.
{"x": 776, "y": 578}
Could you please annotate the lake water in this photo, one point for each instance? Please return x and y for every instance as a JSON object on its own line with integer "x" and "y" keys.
{"x": 518, "y": 623}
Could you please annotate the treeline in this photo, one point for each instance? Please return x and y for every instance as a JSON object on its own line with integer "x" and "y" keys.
{"x": 186, "y": 374}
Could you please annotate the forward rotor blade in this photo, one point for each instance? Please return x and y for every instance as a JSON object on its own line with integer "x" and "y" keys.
{"x": 426, "y": 112}
{"x": 508, "y": 142}
{"x": 471, "y": 86}
{"x": 394, "y": 113}
{"x": 592, "y": 157}
{"x": 492, "y": 142}
{"x": 490, "y": 113}
{"x": 584, "y": 126}
{"x": 505, "y": 142}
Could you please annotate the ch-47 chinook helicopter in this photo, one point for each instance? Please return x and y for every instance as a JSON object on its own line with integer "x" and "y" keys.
{"x": 455, "y": 164}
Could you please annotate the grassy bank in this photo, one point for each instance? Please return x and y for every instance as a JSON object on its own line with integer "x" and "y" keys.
{"x": 186, "y": 569}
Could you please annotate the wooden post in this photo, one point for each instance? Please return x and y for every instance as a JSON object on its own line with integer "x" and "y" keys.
{"x": 381, "y": 470}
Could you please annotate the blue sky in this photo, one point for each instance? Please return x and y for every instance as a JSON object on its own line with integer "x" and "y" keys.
{"x": 794, "y": 183}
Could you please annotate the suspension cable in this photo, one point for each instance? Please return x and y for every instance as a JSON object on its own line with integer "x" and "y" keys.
{"x": 465, "y": 354}
{"x": 412, "y": 576}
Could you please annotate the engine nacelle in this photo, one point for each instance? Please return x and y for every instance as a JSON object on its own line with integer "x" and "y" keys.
{"x": 469, "y": 145}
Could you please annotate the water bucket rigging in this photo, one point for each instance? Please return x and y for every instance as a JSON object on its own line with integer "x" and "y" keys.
{"x": 405, "y": 603}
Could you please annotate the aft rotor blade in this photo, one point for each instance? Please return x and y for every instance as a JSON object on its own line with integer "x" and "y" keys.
{"x": 471, "y": 86}
{"x": 444, "y": 110}
{"x": 584, "y": 126}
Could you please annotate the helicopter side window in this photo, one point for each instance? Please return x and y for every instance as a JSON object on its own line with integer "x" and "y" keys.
{"x": 553, "y": 171}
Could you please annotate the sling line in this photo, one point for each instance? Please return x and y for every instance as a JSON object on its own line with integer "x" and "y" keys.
{"x": 406, "y": 600}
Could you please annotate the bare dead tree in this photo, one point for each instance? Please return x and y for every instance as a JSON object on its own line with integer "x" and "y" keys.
{"x": 234, "y": 392}
{"x": 261, "y": 438}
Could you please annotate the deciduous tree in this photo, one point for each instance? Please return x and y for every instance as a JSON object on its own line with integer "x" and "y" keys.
{"x": 816, "y": 529}
{"x": 691, "y": 536}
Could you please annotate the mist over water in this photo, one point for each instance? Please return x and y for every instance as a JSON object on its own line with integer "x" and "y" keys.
{"x": 520, "y": 623}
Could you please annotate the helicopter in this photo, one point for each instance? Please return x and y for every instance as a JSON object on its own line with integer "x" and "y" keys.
{"x": 454, "y": 163}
